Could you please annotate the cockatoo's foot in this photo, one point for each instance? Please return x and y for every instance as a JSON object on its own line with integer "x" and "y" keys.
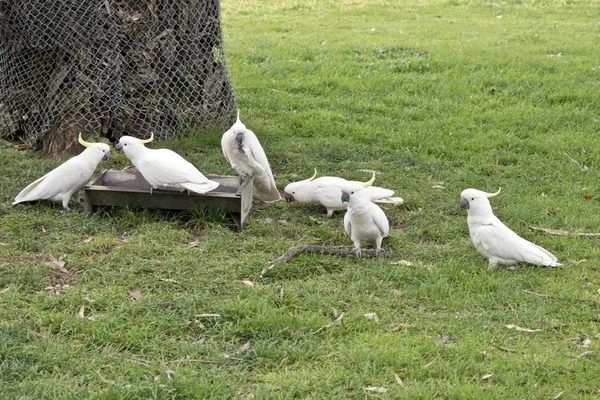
{"x": 329, "y": 214}
{"x": 242, "y": 177}
{"x": 66, "y": 210}
{"x": 358, "y": 252}
{"x": 492, "y": 265}
{"x": 379, "y": 251}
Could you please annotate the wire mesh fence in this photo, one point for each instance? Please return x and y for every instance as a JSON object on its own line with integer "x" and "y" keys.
{"x": 110, "y": 68}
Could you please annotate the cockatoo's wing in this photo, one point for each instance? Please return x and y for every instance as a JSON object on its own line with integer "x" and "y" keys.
{"x": 348, "y": 224}
{"x": 381, "y": 221}
{"x": 504, "y": 244}
{"x": 163, "y": 167}
{"x": 36, "y": 191}
{"x": 264, "y": 182}
{"x": 64, "y": 180}
{"x": 329, "y": 196}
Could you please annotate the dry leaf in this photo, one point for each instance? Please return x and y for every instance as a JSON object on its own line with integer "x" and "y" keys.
{"x": 403, "y": 262}
{"x": 4, "y": 290}
{"x": 485, "y": 377}
{"x": 169, "y": 373}
{"x": 167, "y": 280}
{"x": 89, "y": 240}
{"x": 335, "y": 313}
{"x": 58, "y": 265}
{"x": 519, "y": 329}
{"x": 281, "y": 294}
{"x": 81, "y": 313}
{"x": 586, "y": 343}
{"x": 43, "y": 229}
{"x": 398, "y": 292}
{"x": 396, "y": 327}
{"x": 428, "y": 364}
{"x": 558, "y": 395}
{"x": 247, "y": 282}
{"x": 376, "y": 389}
{"x": 372, "y": 316}
{"x": 156, "y": 377}
{"x": 192, "y": 244}
{"x": 330, "y": 325}
{"x": 398, "y": 380}
{"x": 245, "y": 347}
{"x": 439, "y": 187}
{"x": 208, "y": 315}
{"x": 585, "y": 353}
{"x": 135, "y": 293}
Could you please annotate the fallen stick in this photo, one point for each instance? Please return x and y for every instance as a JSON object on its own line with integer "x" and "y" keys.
{"x": 565, "y": 233}
{"x": 326, "y": 250}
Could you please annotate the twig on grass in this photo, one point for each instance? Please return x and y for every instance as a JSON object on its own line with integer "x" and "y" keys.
{"x": 191, "y": 361}
{"x": 327, "y": 250}
{"x": 506, "y": 349}
{"x": 535, "y": 294}
{"x": 559, "y": 232}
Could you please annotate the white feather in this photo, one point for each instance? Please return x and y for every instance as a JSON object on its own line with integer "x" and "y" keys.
{"x": 65, "y": 181}
{"x": 246, "y": 155}
{"x": 164, "y": 167}
{"x": 364, "y": 220}
{"x": 494, "y": 240}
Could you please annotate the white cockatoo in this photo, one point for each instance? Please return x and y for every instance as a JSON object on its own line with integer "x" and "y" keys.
{"x": 494, "y": 240}
{"x": 364, "y": 220}
{"x": 163, "y": 167}
{"x": 327, "y": 191}
{"x": 245, "y": 154}
{"x": 65, "y": 181}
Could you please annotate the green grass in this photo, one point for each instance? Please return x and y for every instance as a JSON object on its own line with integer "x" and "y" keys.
{"x": 455, "y": 93}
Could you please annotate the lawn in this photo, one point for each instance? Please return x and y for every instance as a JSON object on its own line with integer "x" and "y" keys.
{"x": 437, "y": 96}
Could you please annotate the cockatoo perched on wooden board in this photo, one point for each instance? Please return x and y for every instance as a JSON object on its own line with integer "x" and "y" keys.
{"x": 65, "y": 181}
{"x": 163, "y": 167}
{"x": 364, "y": 220}
{"x": 245, "y": 154}
{"x": 494, "y": 240}
{"x": 327, "y": 191}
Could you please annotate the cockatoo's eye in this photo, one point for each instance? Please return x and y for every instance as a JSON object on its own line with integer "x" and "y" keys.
{"x": 472, "y": 198}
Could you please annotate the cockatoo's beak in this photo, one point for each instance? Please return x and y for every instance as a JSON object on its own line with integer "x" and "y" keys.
{"x": 345, "y": 197}
{"x": 119, "y": 148}
{"x": 106, "y": 157}
{"x": 464, "y": 204}
{"x": 289, "y": 198}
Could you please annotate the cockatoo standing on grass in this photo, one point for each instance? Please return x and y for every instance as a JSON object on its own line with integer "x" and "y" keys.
{"x": 164, "y": 167}
{"x": 245, "y": 154}
{"x": 494, "y": 240}
{"x": 327, "y": 191}
{"x": 364, "y": 220}
{"x": 65, "y": 181}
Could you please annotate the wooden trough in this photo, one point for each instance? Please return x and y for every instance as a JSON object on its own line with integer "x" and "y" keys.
{"x": 120, "y": 188}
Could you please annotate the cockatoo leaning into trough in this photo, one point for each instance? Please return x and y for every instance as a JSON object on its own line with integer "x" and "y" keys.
{"x": 245, "y": 154}
{"x": 65, "y": 181}
{"x": 494, "y": 240}
{"x": 163, "y": 167}
{"x": 364, "y": 220}
{"x": 327, "y": 191}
